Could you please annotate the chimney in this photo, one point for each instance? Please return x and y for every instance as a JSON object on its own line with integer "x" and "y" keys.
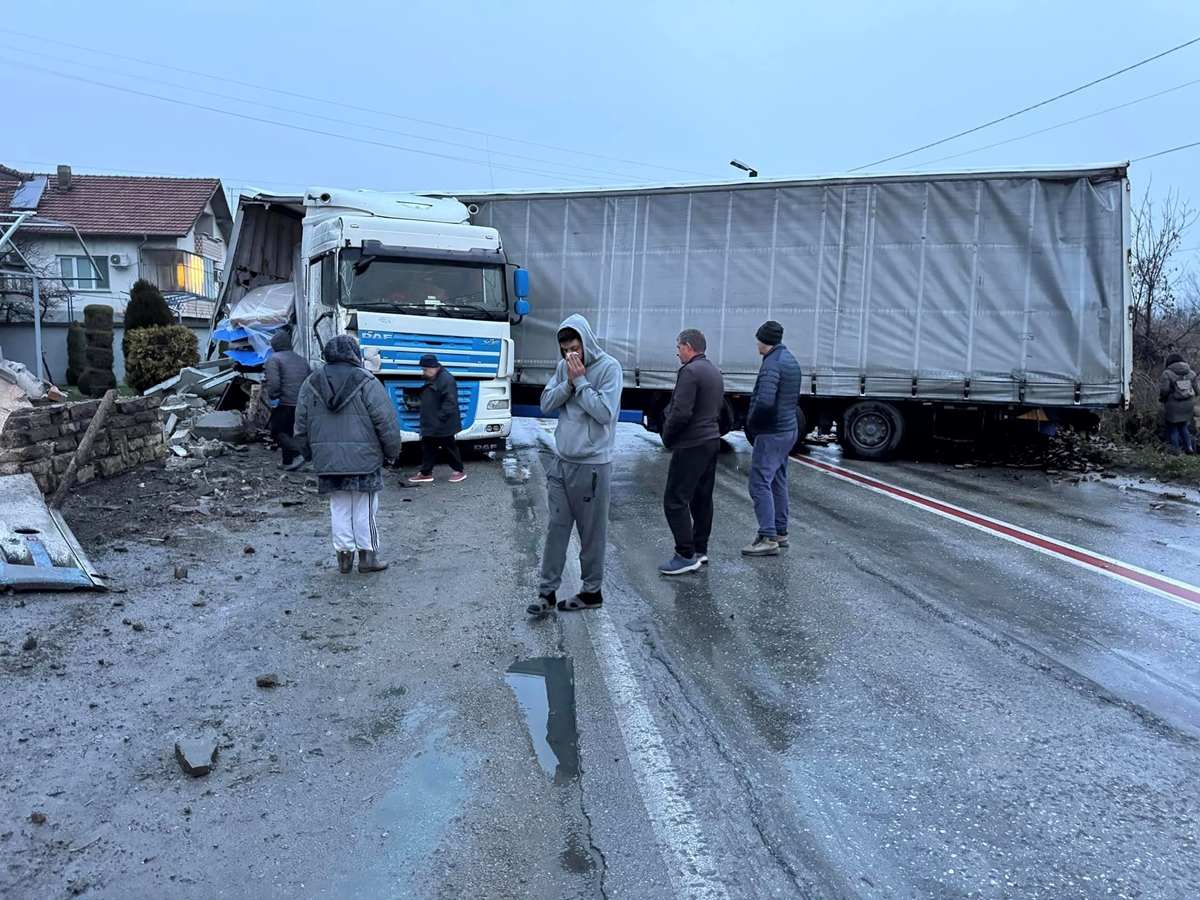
{"x": 64, "y": 178}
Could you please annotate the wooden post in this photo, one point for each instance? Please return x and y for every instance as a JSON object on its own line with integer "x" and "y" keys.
{"x": 84, "y": 449}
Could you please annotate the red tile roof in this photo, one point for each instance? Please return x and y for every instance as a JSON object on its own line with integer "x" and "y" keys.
{"x": 112, "y": 204}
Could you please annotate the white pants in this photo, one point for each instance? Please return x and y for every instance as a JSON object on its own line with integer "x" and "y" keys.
{"x": 353, "y": 514}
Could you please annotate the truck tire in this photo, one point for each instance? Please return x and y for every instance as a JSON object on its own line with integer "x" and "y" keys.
{"x": 802, "y": 433}
{"x": 872, "y": 430}
{"x": 726, "y": 417}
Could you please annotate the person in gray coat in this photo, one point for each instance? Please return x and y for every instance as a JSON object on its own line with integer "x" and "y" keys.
{"x": 283, "y": 374}
{"x": 1177, "y": 390}
{"x": 347, "y": 426}
{"x": 585, "y": 391}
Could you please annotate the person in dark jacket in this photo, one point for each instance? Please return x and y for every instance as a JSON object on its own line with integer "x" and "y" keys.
{"x": 1177, "y": 391}
{"x": 691, "y": 431}
{"x": 441, "y": 420}
{"x": 285, "y": 371}
{"x": 773, "y": 428}
{"x": 347, "y": 426}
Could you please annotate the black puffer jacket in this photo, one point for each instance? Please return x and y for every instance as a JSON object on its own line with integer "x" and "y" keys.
{"x": 284, "y": 371}
{"x": 345, "y": 421}
{"x": 440, "y": 415}
{"x": 776, "y": 395}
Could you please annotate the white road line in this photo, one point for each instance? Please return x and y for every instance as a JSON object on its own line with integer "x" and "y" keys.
{"x": 1180, "y": 592}
{"x": 690, "y": 865}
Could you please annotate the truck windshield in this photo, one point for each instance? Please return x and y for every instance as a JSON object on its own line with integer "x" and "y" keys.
{"x": 421, "y": 287}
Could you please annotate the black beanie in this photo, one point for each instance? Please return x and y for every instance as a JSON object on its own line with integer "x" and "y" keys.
{"x": 429, "y": 361}
{"x": 770, "y": 333}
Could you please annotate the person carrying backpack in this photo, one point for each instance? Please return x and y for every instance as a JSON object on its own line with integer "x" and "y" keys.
{"x": 1177, "y": 391}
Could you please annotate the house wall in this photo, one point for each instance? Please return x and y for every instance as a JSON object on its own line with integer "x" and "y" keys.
{"x": 16, "y": 343}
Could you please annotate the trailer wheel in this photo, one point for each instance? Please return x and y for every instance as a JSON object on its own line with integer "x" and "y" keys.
{"x": 872, "y": 430}
{"x": 725, "y": 418}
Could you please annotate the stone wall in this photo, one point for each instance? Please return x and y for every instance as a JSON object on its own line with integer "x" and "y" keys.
{"x": 42, "y": 440}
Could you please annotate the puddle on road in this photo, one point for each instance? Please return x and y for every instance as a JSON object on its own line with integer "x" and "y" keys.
{"x": 545, "y": 691}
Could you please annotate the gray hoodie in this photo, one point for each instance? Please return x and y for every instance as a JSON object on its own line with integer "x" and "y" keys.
{"x": 587, "y": 412}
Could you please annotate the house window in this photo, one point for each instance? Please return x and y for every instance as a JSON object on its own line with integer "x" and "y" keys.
{"x": 77, "y": 273}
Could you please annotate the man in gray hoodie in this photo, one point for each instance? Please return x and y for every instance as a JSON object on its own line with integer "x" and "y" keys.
{"x": 586, "y": 393}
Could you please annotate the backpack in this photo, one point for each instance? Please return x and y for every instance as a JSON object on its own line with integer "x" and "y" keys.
{"x": 1184, "y": 389}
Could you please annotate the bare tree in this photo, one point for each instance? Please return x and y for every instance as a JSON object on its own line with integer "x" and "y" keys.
{"x": 16, "y": 291}
{"x": 1159, "y": 319}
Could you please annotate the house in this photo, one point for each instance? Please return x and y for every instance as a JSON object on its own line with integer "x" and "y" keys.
{"x": 171, "y": 231}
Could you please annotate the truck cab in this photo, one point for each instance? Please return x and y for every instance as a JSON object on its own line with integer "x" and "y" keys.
{"x": 407, "y": 275}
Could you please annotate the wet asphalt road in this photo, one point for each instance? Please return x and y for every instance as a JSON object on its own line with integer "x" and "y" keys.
{"x": 895, "y": 707}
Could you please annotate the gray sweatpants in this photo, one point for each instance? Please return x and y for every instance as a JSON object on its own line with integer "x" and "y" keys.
{"x": 577, "y": 495}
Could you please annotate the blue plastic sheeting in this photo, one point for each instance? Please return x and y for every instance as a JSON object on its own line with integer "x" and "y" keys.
{"x": 248, "y": 356}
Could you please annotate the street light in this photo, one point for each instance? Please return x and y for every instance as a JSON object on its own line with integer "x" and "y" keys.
{"x": 738, "y": 164}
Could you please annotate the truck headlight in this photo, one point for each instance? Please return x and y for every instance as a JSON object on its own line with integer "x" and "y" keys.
{"x": 497, "y": 404}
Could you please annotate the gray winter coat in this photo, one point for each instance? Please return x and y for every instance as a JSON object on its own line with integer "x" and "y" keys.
{"x": 693, "y": 416}
{"x": 345, "y": 421}
{"x": 283, "y": 374}
{"x": 587, "y": 412}
{"x": 776, "y": 395}
{"x": 1177, "y": 408}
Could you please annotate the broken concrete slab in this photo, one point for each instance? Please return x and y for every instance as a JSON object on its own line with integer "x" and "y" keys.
{"x": 226, "y": 425}
{"x": 267, "y": 681}
{"x": 196, "y": 757}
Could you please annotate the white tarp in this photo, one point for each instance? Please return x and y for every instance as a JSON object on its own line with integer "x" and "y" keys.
{"x": 264, "y": 307}
{"x": 997, "y": 287}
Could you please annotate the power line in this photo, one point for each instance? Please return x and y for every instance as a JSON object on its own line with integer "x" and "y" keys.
{"x": 1030, "y": 134}
{"x": 376, "y": 112}
{"x": 294, "y": 127}
{"x": 1165, "y": 152}
{"x": 1021, "y": 112}
{"x": 312, "y": 115}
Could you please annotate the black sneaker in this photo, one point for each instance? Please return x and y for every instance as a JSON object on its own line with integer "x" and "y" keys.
{"x": 545, "y": 603}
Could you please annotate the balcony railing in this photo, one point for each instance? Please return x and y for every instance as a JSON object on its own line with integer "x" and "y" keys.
{"x": 180, "y": 272}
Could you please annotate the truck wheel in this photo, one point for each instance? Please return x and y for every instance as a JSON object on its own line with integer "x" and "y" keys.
{"x": 872, "y": 430}
{"x": 802, "y": 433}
{"x": 725, "y": 418}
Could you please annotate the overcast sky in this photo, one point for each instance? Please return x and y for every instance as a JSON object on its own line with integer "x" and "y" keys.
{"x": 667, "y": 90}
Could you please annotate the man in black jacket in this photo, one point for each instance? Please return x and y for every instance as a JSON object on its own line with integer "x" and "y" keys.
{"x": 283, "y": 374}
{"x": 692, "y": 433}
{"x": 441, "y": 420}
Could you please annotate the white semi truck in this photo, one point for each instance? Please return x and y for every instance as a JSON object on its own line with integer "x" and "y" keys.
{"x": 408, "y": 274}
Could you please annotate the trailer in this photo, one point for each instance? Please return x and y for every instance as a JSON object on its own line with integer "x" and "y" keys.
{"x": 919, "y": 306}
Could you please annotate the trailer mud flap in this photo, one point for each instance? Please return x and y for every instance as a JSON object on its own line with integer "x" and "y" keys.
{"x": 38, "y": 552}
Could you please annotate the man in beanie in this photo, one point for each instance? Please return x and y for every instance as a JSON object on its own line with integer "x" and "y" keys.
{"x": 773, "y": 429}
{"x": 283, "y": 375}
{"x": 441, "y": 420}
{"x": 347, "y": 426}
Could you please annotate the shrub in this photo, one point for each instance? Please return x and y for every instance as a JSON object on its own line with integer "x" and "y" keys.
{"x": 145, "y": 309}
{"x": 76, "y": 353}
{"x": 157, "y": 353}
{"x": 98, "y": 375}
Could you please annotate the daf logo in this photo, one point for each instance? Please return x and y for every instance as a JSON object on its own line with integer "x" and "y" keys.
{"x": 372, "y": 335}
{"x": 489, "y": 342}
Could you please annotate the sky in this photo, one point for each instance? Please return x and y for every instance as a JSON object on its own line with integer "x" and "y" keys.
{"x": 457, "y": 95}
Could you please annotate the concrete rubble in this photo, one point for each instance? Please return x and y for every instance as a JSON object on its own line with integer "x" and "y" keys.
{"x": 207, "y": 407}
{"x": 196, "y": 757}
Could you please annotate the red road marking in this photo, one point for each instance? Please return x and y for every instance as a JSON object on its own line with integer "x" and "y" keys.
{"x": 1167, "y": 587}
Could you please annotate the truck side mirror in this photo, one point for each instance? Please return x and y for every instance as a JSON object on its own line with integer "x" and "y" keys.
{"x": 521, "y": 307}
{"x": 521, "y": 285}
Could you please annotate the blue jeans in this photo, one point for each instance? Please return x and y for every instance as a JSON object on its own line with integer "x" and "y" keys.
{"x": 1180, "y": 436}
{"x": 769, "y": 481}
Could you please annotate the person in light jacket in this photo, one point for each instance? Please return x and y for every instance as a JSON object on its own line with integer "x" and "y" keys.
{"x": 586, "y": 393}
{"x": 347, "y": 426}
{"x": 691, "y": 431}
{"x": 441, "y": 420}
{"x": 1177, "y": 391}
{"x": 773, "y": 428}
{"x": 283, "y": 374}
